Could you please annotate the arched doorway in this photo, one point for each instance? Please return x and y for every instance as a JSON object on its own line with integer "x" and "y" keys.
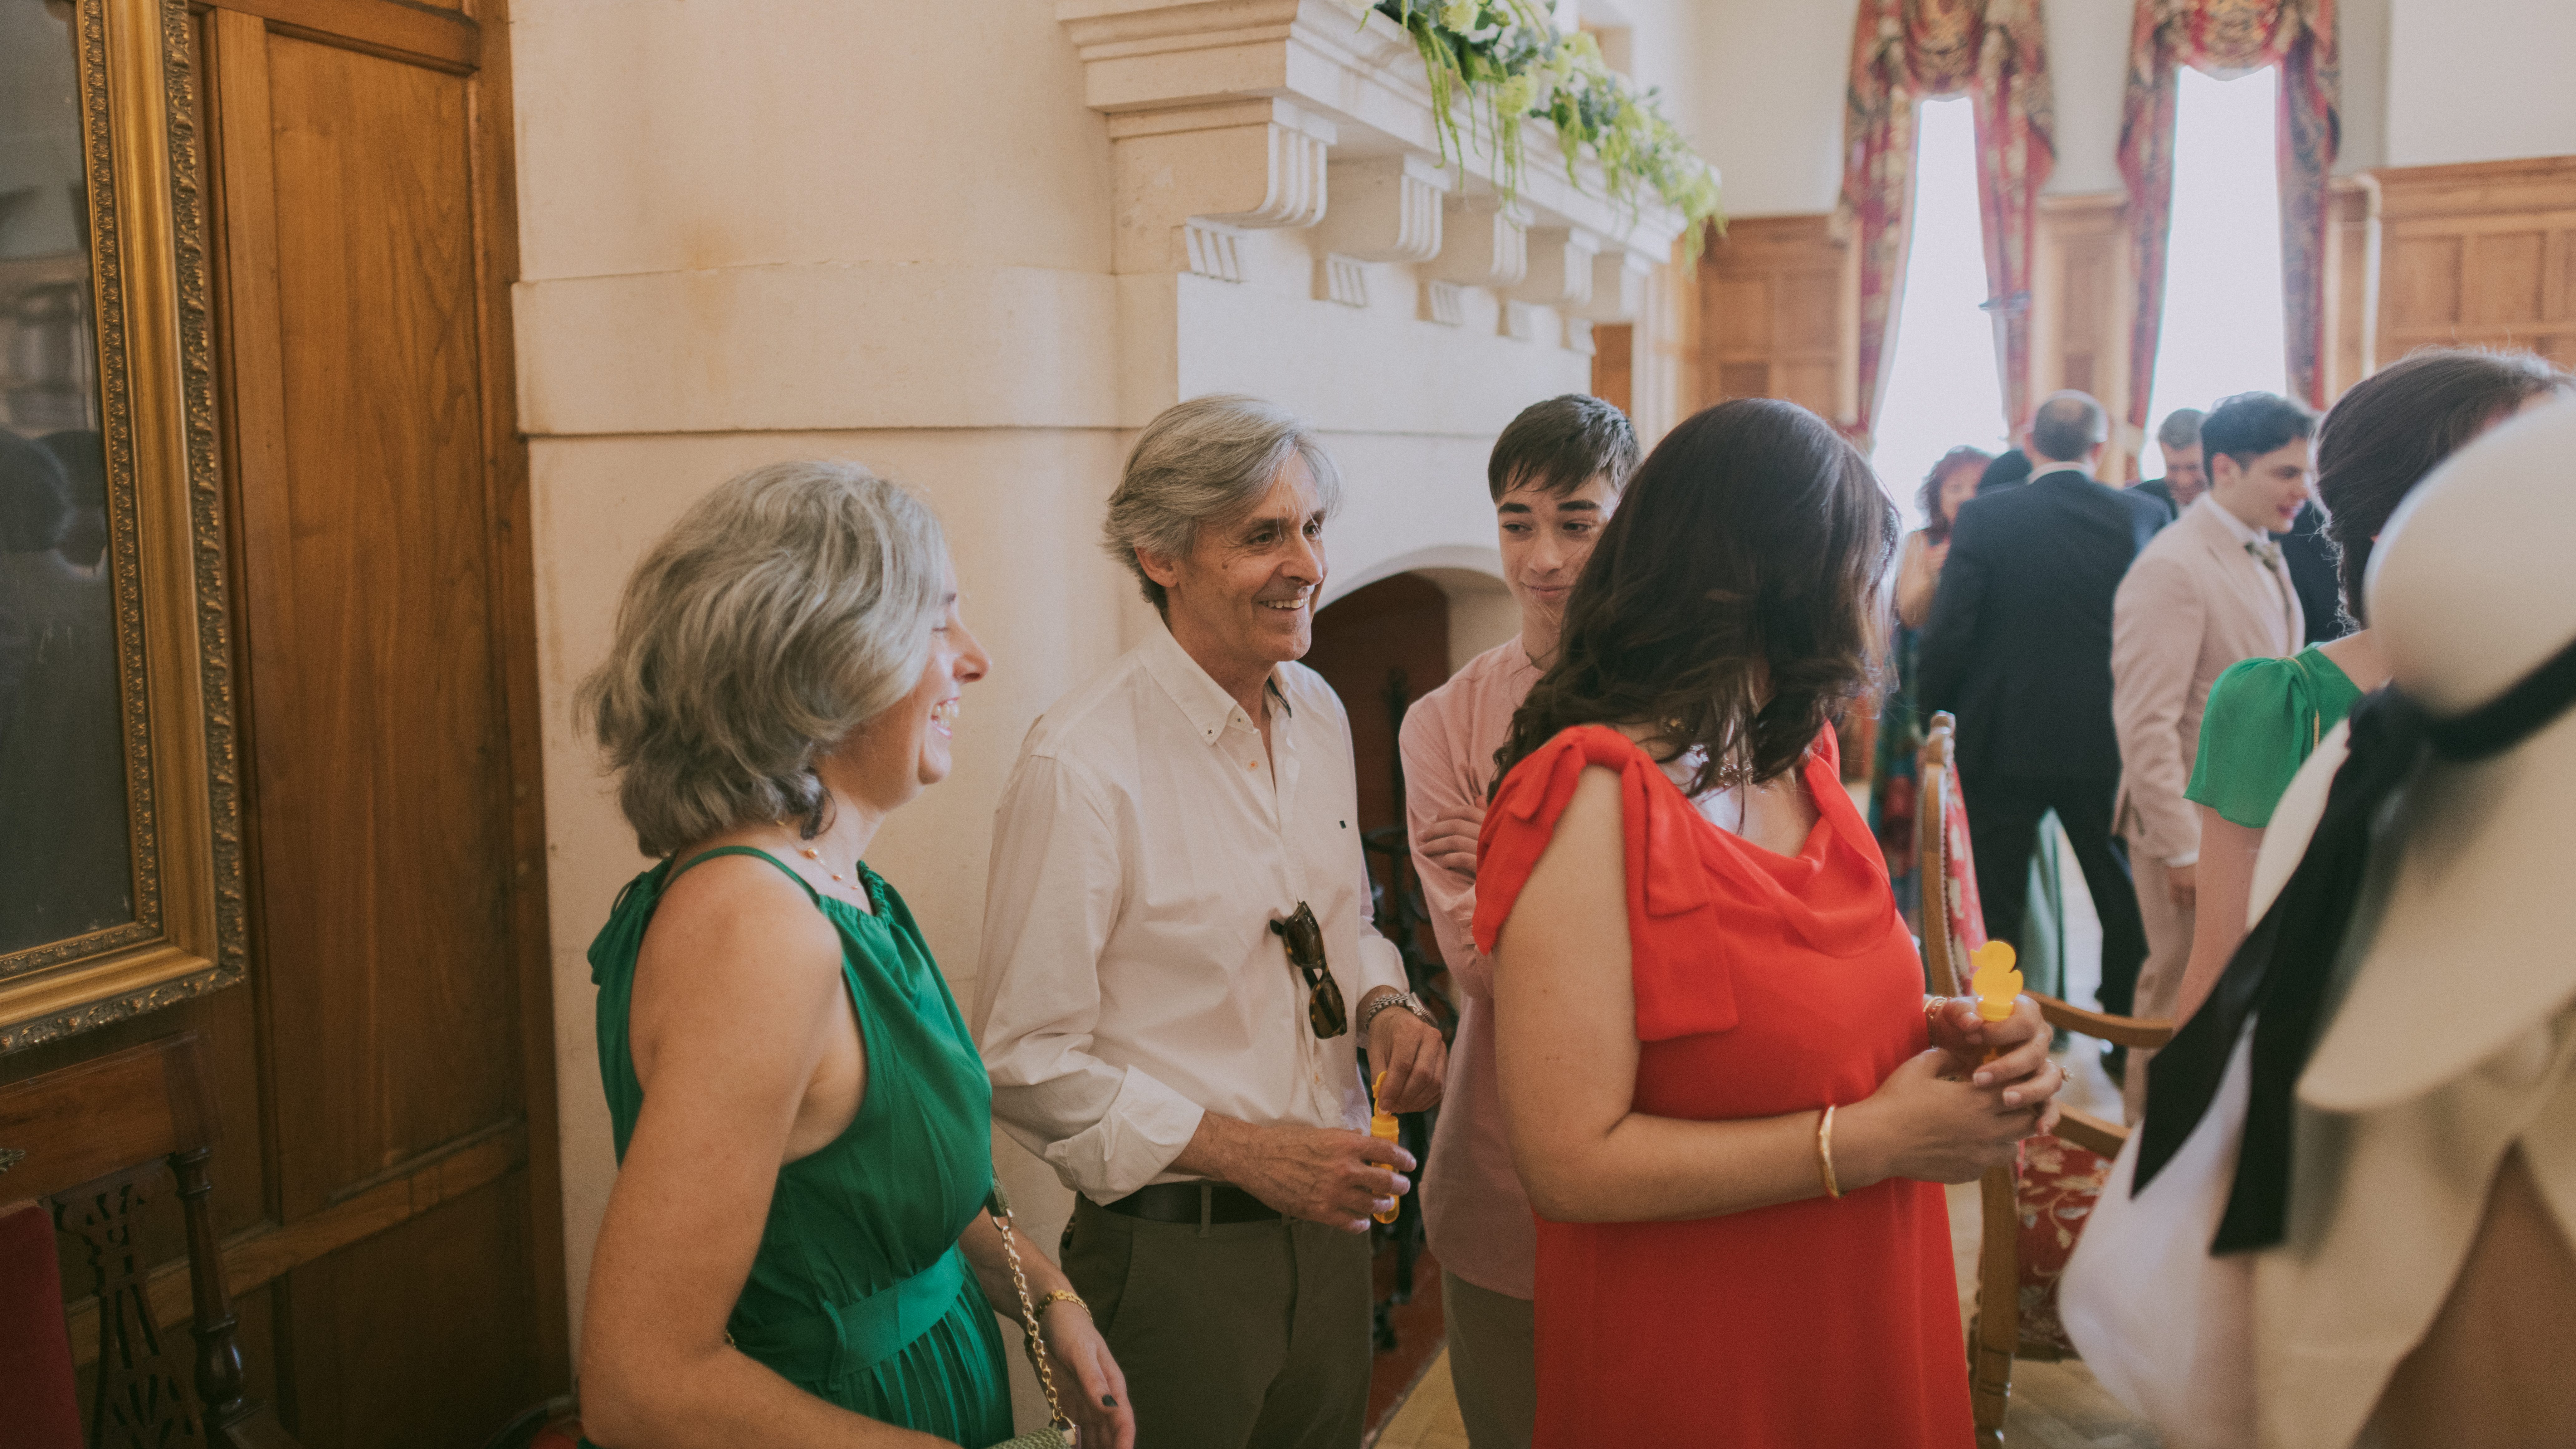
{"x": 1381, "y": 647}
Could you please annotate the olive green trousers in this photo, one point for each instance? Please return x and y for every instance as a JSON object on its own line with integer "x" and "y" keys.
{"x": 1232, "y": 1336}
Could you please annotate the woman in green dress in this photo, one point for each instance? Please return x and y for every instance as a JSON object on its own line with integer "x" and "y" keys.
{"x": 2265, "y": 716}
{"x": 796, "y": 1251}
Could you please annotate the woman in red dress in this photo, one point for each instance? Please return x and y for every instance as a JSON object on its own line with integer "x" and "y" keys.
{"x": 1725, "y": 1090}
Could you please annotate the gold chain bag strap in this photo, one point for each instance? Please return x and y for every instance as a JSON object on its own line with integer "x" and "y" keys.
{"x": 1058, "y": 1431}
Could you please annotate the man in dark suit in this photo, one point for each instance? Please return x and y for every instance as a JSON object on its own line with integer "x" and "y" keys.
{"x": 2186, "y": 476}
{"x": 2019, "y": 648}
{"x": 2010, "y": 469}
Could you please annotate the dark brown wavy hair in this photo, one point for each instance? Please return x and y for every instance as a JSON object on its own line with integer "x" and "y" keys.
{"x": 2392, "y": 427}
{"x": 1731, "y": 599}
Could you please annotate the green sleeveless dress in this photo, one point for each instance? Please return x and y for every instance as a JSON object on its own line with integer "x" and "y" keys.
{"x": 859, "y": 1294}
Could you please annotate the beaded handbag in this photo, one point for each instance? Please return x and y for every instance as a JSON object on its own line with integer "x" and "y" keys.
{"x": 1058, "y": 1431}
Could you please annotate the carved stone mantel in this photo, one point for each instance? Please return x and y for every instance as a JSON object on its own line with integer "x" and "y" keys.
{"x": 1228, "y": 117}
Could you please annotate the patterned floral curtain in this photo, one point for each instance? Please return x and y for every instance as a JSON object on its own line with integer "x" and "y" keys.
{"x": 2233, "y": 35}
{"x": 1905, "y": 51}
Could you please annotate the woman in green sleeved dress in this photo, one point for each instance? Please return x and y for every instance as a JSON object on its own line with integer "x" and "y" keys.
{"x": 2266, "y": 716}
{"x": 796, "y": 1250}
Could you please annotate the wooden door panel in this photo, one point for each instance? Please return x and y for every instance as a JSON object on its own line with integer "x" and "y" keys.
{"x": 383, "y": 760}
{"x": 2423, "y": 281}
{"x": 2505, "y": 278}
{"x": 423, "y": 1344}
{"x": 1740, "y": 313}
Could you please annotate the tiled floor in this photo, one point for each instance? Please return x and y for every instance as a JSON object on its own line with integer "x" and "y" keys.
{"x": 2054, "y": 1405}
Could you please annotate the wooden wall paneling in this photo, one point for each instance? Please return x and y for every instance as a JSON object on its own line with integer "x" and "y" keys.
{"x": 2083, "y": 292}
{"x": 367, "y": 247}
{"x": 386, "y": 1185}
{"x": 2478, "y": 254}
{"x": 510, "y": 513}
{"x": 1776, "y": 315}
{"x": 2352, "y": 281}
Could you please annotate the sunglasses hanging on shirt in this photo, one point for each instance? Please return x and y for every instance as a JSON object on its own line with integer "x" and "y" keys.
{"x": 1304, "y": 938}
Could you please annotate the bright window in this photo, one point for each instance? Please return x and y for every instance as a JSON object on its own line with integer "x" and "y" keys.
{"x": 2224, "y": 324}
{"x": 1941, "y": 384}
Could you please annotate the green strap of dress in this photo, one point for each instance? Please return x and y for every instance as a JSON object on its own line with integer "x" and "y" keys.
{"x": 802, "y": 883}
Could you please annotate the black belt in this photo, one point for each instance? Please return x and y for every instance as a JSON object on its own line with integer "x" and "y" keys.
{"x": 1183, "y": 1202}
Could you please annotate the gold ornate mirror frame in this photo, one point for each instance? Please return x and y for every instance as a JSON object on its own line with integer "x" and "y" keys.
{"x": 164, "y": 560}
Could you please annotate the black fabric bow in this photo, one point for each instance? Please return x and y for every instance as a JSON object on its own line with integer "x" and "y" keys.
{"x": 2278, "y": 978}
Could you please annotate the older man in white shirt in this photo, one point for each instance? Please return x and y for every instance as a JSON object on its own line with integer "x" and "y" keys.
{"x": 1178, "y": 964}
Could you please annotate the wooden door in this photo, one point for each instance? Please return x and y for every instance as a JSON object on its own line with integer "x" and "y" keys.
{"x": 387, "y": 1178}
{"x": 1776, "y": 315}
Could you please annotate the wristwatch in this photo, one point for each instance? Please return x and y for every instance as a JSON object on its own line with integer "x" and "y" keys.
{"x": 1405, "y": 999}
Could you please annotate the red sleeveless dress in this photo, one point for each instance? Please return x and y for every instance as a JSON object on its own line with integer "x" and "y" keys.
{"x": 1765, "y": 984}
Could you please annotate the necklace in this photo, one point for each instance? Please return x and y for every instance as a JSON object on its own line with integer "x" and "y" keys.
{"x": 849, "y": 886}
{"x": 816, "y": 856}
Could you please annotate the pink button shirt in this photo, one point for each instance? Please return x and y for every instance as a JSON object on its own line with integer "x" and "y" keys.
{"x": 1474, "y": 1210}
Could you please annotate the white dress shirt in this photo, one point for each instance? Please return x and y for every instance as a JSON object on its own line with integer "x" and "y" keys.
{"x": 1130, "y": 982}
{"x": 2266, "y": 550}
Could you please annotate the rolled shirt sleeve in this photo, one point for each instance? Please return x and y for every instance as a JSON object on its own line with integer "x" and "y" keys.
{"x": 1050, "y": 903}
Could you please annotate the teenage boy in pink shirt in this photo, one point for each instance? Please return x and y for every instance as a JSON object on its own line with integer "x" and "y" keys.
{"x": 1555, "y": 476}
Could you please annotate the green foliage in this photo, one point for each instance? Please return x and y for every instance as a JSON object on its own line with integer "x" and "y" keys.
{"x": 1494, "y": 65}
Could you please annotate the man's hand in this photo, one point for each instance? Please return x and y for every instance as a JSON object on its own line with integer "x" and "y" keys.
{"x": 1410, "y": 1053}
{"x": 2182, "y": 883}
{"x": 1321, "y": 1174}
{"x": 1449, "y": 841}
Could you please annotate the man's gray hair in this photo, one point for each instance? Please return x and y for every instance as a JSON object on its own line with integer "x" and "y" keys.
{"x": 1204, "y": 461}
{"x": 782, "y": 612}
{"x": 2067, "y": 426}
{"x": 2180, "y": 429}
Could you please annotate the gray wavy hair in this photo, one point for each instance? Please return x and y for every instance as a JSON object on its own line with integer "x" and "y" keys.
{"x": 1202, "y": 461}
{"x": 782, "y": 612}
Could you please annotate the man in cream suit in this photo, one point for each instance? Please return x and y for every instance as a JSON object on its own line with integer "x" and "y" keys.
{"x": 2209, "y": 591}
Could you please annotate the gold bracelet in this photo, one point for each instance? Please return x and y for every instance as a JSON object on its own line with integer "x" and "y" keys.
{"x": 1066, "y": 1295}
{"x": 1825, "y": 1152}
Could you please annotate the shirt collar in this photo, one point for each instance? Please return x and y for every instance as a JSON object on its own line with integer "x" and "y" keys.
{"x": 1202, "y": 700}
{"x": 2235, "y": 526}
{"x": 2075, "y": 468}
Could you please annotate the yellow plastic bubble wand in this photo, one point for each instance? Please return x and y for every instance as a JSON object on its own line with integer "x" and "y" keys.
{"x": 1996, "y": 984}
{"x": 1383, "y": 1125}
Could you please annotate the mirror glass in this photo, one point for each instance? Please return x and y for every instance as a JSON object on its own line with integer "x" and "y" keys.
{"x": 66, "y": 856}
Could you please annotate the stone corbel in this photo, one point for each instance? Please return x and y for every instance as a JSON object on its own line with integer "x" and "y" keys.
{"x": 1484, "y": 243}
{"x": 1191, "y": 179}
{"x": 1560, "y": 268}
{"x": 1385, "y": 209}
{"x": 1619, "y": 277}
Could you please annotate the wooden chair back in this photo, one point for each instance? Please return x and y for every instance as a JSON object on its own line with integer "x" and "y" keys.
{"x": 96, "y": 1142}
{"x": 1952, "y": 927}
